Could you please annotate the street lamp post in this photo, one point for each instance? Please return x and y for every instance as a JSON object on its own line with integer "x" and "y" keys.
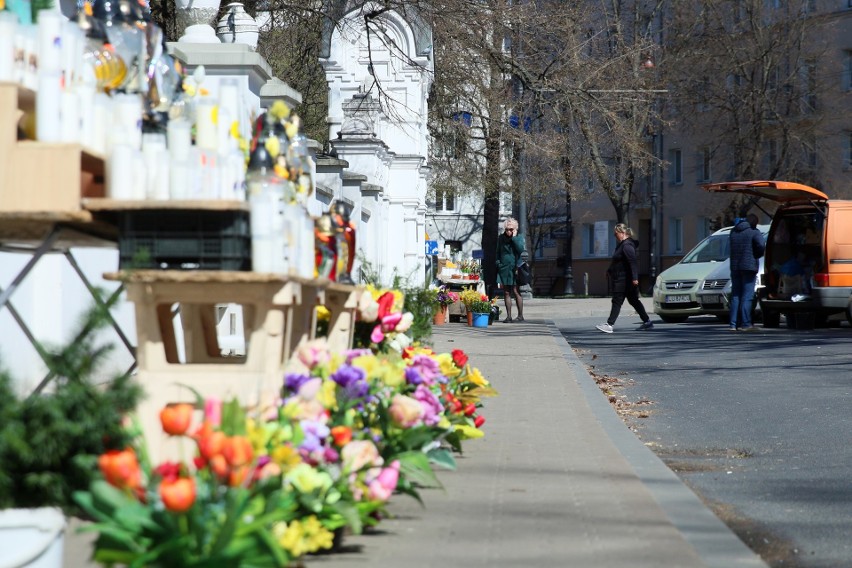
{"x": 568, "y": 273}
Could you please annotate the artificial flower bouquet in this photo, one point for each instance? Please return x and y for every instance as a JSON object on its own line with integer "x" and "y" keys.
{"x": 445, "y": 297}
{"x": 468, "y": 296}
{"x": 265, "y": 488}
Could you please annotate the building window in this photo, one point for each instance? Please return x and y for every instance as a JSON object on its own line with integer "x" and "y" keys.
{"x": 675, "y": 167}
{"x": 704, "y": 159}
{"x": 847, "y": 67}
{"x": 445, "y": 200}
{"x": 588, "y": 240}
{"x": 675, "y": 235}
{"x": 811, "y": 154}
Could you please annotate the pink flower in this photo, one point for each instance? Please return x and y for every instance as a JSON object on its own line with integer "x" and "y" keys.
{"x": 383, "y": 486}
{"x": 405, "y": 322}
{"x": 406, "y": 411}
{"x": 213, "y": 411}
{"x": 432, "y": 407}
{"x": 377, "y": 336}
{"x": 313, "y": 353}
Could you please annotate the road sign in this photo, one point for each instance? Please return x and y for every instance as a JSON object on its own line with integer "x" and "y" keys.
{"x": 431, "y": 248}
{"x": 477, "y": 254}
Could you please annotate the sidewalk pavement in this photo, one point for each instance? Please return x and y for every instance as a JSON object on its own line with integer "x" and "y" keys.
{"x": 557, "y": 481}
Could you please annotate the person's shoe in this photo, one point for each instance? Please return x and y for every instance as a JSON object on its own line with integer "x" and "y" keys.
{"x": 520, "y": 318}
{"x": 604, "y": 327}
{"x": 646, "y": 325}
{"x": 733, "y": 329}
{"x": 507, "y": 320}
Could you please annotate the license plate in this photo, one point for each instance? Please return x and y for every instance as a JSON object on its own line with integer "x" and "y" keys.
{"x": 678, "y": 299}
{"x": 711, "y": 299}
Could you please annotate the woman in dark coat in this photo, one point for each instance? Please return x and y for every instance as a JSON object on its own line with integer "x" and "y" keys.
{"x": 510, "y": 245}
{"x": 624, "y": 277}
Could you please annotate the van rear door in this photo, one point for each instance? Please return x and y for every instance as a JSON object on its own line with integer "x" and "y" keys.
{"x": 780, "y": 191}
{"x": 838, "y": 242}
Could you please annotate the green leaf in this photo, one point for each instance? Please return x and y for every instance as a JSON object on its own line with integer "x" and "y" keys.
{"x": 350, "y": 514}
{"x": 415, "y": 467}
{"x": 233, "y": 418}
{"x": 442, "y": 457}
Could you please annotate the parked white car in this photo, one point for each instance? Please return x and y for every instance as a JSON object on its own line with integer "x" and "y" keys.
{"x": 714, "y": 293}
{"x": 676, "y": 288}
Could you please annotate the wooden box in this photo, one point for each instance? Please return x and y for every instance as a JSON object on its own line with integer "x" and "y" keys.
{"x": 41, "y": 176}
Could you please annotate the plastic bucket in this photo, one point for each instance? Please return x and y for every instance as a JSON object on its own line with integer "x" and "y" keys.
{"x": 31, "y": 538}
{"x": 480, "y": 320}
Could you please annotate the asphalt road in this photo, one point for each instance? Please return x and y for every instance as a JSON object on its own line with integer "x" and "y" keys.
{"x": 758, "y": 424}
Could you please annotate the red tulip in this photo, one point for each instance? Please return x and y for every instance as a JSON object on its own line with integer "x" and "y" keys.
{"x": 470, "y": 409}
{"x": 342, "y": 435}
{"x": 176, "y": 418}
{"x": 121, "y": 468}
{"x": 459, "y": 358}
{"x": 237, "y": 451}
{"x": 479, "y": 421}
{"x": 178, "y": 495}
{"x": 385, "y": 302}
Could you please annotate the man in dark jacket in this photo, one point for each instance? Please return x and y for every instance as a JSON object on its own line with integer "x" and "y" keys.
{"x": 747, "y": 245}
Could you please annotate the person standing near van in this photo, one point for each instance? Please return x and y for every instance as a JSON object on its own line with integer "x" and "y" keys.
{"x": 747, "y": 246}
{"x": 510, "y": 245}
{"x": 624, "y": 277}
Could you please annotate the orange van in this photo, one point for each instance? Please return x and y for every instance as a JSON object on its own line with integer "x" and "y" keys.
{"x": 808, "y": 259}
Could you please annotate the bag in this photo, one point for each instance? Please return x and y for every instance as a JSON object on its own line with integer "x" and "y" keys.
{"x": 523, "y": 275}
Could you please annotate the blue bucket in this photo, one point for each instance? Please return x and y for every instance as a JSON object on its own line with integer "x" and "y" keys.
{"x": 480, "y": 320}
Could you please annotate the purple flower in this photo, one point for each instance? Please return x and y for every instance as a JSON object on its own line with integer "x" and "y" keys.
{"x": 431, "y": 405}
{"x": 428, "y": 368}
{"x": 293, "y": 382}
{"x": 412, "y": 376}
{"x": 315, "y": 432}
{"x": 355, "y": 353}
{"x": 347, "y": 374}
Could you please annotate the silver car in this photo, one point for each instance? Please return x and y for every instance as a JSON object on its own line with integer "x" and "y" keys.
{"x": 714, "y": 293}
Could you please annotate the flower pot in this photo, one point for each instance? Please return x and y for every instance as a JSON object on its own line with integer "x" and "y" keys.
{"x": 32, "y": 538}
{"x": 480, "y": 320}
{"x": 469, "y": 318}
{"x": 440, "y": 317}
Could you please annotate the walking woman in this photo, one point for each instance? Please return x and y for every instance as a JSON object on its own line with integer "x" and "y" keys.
{"x": 624, "y": 276}
{"x": 510, "y": 245}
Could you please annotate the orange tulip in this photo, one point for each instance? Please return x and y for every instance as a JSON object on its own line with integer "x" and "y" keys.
{"x": 237, "y": 451}
{"x": 219, "y": 466}
{"x": 211, "y": 445}
{"x": 121, "y": 468}
{"x": 176, "y": 418}
{"x": 178, "y": 495}
{"x": 342, "y": 435}
{"x": 238, "y": 475}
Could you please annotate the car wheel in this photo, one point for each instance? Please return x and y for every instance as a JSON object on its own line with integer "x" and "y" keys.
{"x": 771, "y": 318}
{"x": 673, "y": 319}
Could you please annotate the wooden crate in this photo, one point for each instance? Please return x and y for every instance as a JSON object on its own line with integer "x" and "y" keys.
{"x": 39, "y": 176}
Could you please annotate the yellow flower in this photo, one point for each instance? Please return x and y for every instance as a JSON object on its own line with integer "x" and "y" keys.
{"x": 317, "y": 537}
{"x": 273, "y": 146}
{"x": 280, "y": 110}
{"x": 327, "y": 395}
{"x": 291, "y": 129}
{"x": 189, "y": 89}
{"x": 448, "y": 368}
{"x": 322, "y": 313}
{"x": 214, "y": 114}
{"x": 474, "y": 376}
{"x": 291, "y": 538}
{"x": 367, "y": 362}
{"x": 391, "y": 374}
{"x": 286, "y": 456}
{"x": 305, "y": 479}
{"x": 468, "y": 432}
{"x": 235, "y": 130}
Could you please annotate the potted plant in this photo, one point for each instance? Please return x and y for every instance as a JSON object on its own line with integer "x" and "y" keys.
{"x": 50, "y": 442}
{"x": 481, "y": 309}
{"x": 444, "y": 298}
{"x": 467, "y": 297}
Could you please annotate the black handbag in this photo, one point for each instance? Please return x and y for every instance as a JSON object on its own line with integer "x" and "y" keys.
{"x": 523, "y": 274}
